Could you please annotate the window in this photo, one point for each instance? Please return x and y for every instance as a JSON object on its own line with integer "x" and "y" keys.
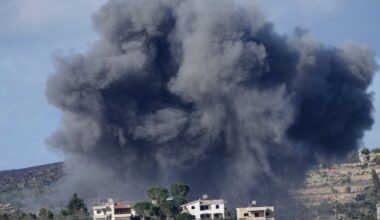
{"x": 98, "y": 212}
{"x": 203, "y": 216}
{"x": 204, "y": 207}
{"x": 121, "y": 211}
{"x": 246, "y": 214}
{"x": 257, "y": 214}
{"x": 217, "y": 206}
{"x": 267, "y": 213}
{"x": 192, "y": 207}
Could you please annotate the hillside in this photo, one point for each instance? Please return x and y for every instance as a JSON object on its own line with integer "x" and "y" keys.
{"x": 331, "y": 185}
{"x": 340, "y": 182}
{"x": 36, "y": 179}
{"x": 349, "y": 190}
{"x": 33, "y": 177}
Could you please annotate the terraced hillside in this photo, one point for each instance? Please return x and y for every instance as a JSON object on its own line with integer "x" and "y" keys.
{"x": 339, "y": 183}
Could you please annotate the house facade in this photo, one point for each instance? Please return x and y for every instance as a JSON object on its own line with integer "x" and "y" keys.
{"x": 205, "y": 208}
{"x": 112, "y": 211}
{"x": 255, "y": 213}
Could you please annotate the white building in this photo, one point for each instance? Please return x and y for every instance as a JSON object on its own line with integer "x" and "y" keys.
{"x": 112, "y": 211}
{"x": 205, "y": 208}
{"x": 255, "y": 213}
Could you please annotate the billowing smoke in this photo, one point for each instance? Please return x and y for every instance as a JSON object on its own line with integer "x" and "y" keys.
{"x": 207, "y": 93}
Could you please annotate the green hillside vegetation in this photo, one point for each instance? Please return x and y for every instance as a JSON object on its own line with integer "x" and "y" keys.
{"x": 163, "y": 204}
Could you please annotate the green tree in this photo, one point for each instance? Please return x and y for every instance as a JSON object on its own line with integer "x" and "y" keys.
{"x": 155, "y": 211}
{"x": 228, "y": 215}
{"x": 183, "y": 216}
{"x": 179, "y": 192}
{"x": 158, "y": 193}
{"x": 168, "y": 209}
{"x": 4, "y": 216}
{"x": 65, "y": 213}
{"x": 179, "y": 189}
{"x": 365, "y": 151}
{"x": 45, "y": 213}
{"x": 76, "y": 205}
{"x": 180, "y": 200}
{"x": 143, "y": 209}
{"x": 32, "y": 216}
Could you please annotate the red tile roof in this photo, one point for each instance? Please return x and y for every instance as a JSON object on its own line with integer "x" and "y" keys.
{"x": 121, "y": 206}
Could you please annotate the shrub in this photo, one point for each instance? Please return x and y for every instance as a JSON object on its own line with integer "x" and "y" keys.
{"x": 183, "y": 216}
{"x": 364, "y": 151}
{"x": 76, "y": 205}
{"x": 360, "y": 197}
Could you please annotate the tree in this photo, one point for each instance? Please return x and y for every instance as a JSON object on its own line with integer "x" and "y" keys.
{"x": 4, "y": 216}
{"x": 45, "y": 213}
{"x": 65, "y": 213}
{"x": 32, "y": 216}
{"x": 168, "y": 208}
{"x": 179, "y": 189}
{"x": 143, "y": 208}
{"x": 179, "y": 192}
{"x": 228, "y": 215}
{"x": 180, "y": 201}
{"x": 365, "y": 151}
{"x": 158, "y": 193}
{"x": 76, "y": 205}
{"x": 184, "y": 216}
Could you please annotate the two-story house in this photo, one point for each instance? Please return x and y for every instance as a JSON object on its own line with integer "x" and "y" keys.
{"x": 112, "y": 211}
{"x": 205, "y": 208}
{"x": 255, "y": 213}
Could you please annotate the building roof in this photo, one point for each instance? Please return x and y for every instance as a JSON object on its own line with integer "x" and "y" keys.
{"x": 99, "y": 207}
{"x": 256, "y": 208}
{"x": 121, "y": 206}
{"x": 205, "y": 202}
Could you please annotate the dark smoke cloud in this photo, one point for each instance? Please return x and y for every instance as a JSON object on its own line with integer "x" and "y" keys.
{"x": 204, "y": 92}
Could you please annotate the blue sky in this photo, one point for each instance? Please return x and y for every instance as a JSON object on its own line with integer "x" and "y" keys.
{"x": 30, "y": 31}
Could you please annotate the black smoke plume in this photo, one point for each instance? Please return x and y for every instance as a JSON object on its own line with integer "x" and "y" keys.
{"x": 204, "y": 92}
